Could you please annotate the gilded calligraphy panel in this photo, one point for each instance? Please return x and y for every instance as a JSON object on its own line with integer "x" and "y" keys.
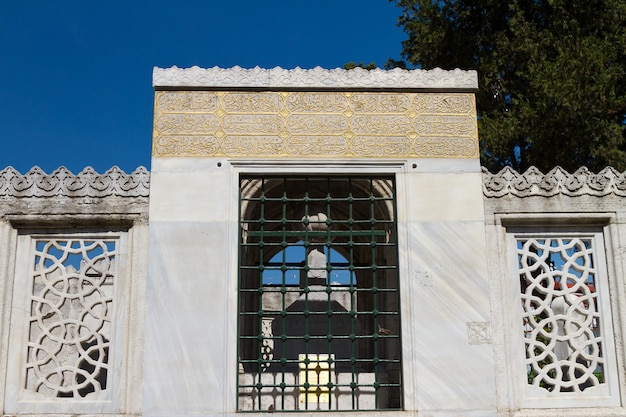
{"x": 441, "y": 147}
{"x": 314, "y": 124}
{"x": 376, "y": 146}
{"x": 252, "y": 123}
{"x": 194, "y": 145}
{"x": 336, "y": 146}
{"x": 381, "y": 125}
{"x": 187, "y": 101}
{"x": 380, "y": 103}
{"x": 323, "y": 124}
{"x": 252, "y": 103}
{"x": 445, "y": 125}
{"x": 316, "y": 103}
{"x": 449, "y": 103}
{"x": 187, "y": 123}
{"x": 252, "y": 145}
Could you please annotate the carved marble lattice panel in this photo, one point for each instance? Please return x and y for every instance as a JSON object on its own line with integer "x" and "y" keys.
{"x": 314, "y": 124}
{"x": 563, "y": 321}
{"x": 71, "y": 311}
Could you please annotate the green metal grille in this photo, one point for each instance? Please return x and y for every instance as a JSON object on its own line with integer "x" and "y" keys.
{"x": 319, "y": 322}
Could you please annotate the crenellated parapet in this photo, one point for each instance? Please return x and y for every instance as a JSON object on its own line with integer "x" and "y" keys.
{"x": 63, "y": 183}
{"x": 557, "y": 181}
{"x": 115, "y": 182}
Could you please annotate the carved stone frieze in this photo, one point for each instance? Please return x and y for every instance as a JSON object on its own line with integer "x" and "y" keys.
{"x": 314, "y": 124}
{"x": 313, "y": 78}
{"x": 88, "y": 183}
{"x": 533, "y": 182}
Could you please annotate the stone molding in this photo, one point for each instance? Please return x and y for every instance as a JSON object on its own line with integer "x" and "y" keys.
{"x": 62, "y": 183}
{"x": 357, "y": 78}
{"x": 557, "y": 181}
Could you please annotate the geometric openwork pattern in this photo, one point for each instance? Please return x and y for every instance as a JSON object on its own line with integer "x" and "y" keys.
{"x": 319, "y": 316}
{"x": 562, "y": 323}
{"x": 71, "y": 309}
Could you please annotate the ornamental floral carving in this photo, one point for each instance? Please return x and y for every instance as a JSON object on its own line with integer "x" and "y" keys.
{"x": 313, "y": 78}
{"x": 533, "y": 182}
{"x": 61, "y": 182}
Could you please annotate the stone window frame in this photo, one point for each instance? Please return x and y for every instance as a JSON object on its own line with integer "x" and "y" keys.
{"x": 372, "y": 284}
{"x": 126, "y": 372}
{"x": 391, "y": 167}
{"x": 510, "y": 346}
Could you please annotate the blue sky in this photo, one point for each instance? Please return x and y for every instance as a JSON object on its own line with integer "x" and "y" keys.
{"x": 76, "y": 75}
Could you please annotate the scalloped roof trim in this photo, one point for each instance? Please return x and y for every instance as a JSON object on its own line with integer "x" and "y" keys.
{"x": 338, "y": 78}
{"x": 557, "y": 181}
{"x": 63, "y": 183}
{"x": 115, "y": 182}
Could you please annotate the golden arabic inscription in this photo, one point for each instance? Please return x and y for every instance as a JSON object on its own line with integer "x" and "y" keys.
{"x": 314, "y": 124}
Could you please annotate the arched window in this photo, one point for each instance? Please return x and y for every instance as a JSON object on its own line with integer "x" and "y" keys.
{"x": 294, "y": 258}
{"x": 319, "y": 325}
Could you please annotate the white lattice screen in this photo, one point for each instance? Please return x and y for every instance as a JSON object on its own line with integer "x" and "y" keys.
{"x": 66, "y": 321}
{"x": 70, "y": 321}
{"x": 566, "y": 320}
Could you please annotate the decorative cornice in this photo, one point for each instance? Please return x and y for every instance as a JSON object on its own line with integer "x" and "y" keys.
{"x": 62, "y": 183}
{"x": 533, "y": 182}
{"x": 275, "y": 78}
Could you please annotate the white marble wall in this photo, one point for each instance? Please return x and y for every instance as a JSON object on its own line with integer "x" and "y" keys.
{"x": 448, "y": 315}
{"x": 190, "y": 364}
{"x": 191, "y": 309}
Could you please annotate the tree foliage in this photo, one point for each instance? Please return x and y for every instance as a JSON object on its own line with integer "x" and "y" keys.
{"x": 352, "y": 65}
{"x": 552, "y": 74}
